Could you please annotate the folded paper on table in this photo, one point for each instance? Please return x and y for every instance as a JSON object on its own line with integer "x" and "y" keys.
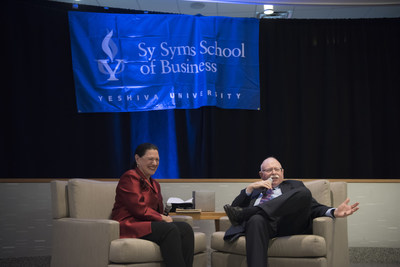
{"x": 178, "y": 203}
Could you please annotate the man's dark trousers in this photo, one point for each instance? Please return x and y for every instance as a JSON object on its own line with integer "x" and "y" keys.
{"x": 287, "y": 214}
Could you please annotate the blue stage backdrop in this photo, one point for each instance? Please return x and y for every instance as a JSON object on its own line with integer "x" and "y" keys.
{"x": 157, "y": 128}
{"x": 140, "y": 62}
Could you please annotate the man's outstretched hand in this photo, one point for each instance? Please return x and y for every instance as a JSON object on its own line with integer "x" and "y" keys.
{"x": 345, "y": 209}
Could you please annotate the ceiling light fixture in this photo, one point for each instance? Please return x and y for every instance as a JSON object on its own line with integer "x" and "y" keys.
{"x": 268, "y": 9}
{"x": 269, "y": 13}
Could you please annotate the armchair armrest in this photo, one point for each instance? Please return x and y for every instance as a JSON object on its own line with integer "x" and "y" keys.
{"x": 324, "y": 226}
{"x": 86, "y": 240}
{"x": 224, "y": 223}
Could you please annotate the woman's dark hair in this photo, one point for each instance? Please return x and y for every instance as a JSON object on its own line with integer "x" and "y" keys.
{"x": 141, "y": 150}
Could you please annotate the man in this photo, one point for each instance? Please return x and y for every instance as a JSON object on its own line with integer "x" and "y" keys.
{"x": 275, "y": 207}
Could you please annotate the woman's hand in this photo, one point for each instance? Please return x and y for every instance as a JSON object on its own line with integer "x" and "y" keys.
{"x": 166, "y": 218}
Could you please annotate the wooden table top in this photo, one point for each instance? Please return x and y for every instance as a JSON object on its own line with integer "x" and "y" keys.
{"x": 204, "y": 215}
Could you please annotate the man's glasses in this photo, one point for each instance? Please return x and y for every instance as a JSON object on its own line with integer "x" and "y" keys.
{"x": 269, "y": 170}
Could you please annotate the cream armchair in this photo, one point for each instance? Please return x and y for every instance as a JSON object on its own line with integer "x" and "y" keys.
{"x": 84, "y": 235}
{"x": 326, "y": 247}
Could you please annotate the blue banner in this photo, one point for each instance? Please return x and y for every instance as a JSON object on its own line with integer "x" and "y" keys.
{"x": 140, "y": 62}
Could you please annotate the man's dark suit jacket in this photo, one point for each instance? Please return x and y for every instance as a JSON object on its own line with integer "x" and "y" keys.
{"x": 282, "y": 225}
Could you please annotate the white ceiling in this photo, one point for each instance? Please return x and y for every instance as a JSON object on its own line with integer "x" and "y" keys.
{"x": 296, "y": 9}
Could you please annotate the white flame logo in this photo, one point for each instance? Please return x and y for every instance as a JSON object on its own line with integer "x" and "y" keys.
{"x": 109, "y": 46}
{"x": 110, "y": 49}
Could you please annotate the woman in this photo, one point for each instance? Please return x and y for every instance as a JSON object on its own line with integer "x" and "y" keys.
{"x": 139, "y": 209}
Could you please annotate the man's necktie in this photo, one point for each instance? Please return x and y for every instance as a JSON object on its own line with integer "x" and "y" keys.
{"x": 267, "y": 196}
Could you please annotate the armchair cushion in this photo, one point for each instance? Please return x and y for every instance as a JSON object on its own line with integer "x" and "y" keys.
{"x": 320, "y": 190}
{"x": 136, "y": 250}
{"x": 288, "y": 246}
{"x": 298, "y": 246}
{"x": 91, "y": 199}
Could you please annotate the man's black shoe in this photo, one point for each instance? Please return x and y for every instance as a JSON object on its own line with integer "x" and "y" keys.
{"x": 234, "y": 214}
